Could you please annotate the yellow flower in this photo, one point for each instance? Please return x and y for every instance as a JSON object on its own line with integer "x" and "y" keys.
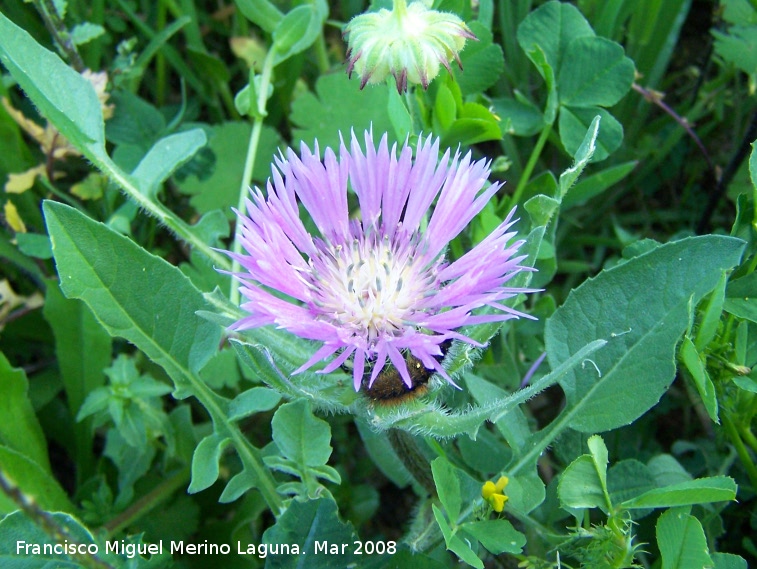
{"x": 495, "y": 493}
{"x": 408, "y": 42}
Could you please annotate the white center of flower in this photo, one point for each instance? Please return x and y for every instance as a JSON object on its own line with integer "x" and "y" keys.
{"x": 370, "y": 288}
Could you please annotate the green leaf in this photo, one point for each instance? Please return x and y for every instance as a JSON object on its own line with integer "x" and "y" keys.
{"x": 498, "y": 536}
{"x": 86, "y": 32}
{"x": 205, "y": 462}
{"x": 300, "y": 435}
{"x": 83, "y": 351}
{"x": 574, "y": 122}
{"x": 447, "y": 486}
{"x": 582, "y": 157}
{"x": 34, "y": 245}
{"x": 629, "y": 478}
{"x": 595, "y": 184}
{"x": 19, "y": 428}
{"x": 522, "y": 116}
{"x": 132, "y": 293}
{"x": 713, "y": 310}
{"x": 581, "y": 486}
{"x": 312, "y": 526}
{"x": 641, "y": 307}
{"x": 253, "y": 401}
{"x": 454, "y": 543}
{"x": 261, "y": 12}
{"x": 693, "y": 362}
{"x": 552, "y": 27}
{"x": 482, "y": 61}
{"x": 399, "y": 115}
{"x": 165, "y": 157}
{"x": 699, "y": 491}
{"x": 741, "y": 297}
{"x": 218, "y": 189}
{"x": 298, "y": 30}
{"x": 728, "y": 561}
{"x": 50, "y": 84}
{"x": 34, "y": 481}
{"x": 595, "y": 72}
{"x": 682, "y": 542}
{"x": 339, "y": 106}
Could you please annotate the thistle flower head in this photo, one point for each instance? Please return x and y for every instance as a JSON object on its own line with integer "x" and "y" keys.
{"x": 379, "y": 286}
{"x": 408, "y": 42}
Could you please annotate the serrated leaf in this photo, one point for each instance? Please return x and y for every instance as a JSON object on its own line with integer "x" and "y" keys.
{"x": 641, "y": 306}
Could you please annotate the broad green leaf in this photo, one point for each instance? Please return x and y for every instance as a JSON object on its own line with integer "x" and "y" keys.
{"x": 581, "y": 487}
{"x": 313, "y": 526}
{"x": 447, "y": 486}
{"x": 34, "y": 245}
{"x": 641, "y": 307}
{"x": 165, "y": 157}
{"x": 299, "y": 29}
{"x": 482, "y": 62}
{"x": 629, "y": 478}
{"x": 19, "y": 427}
{"x": 595, "y": 72}
{"x": 301, "y": 436}
{"x": 728, "y": 561}
{"x": 34, "y": 481}
{"x": 693, "y": 362}
{"x": 667, "y": 471}
{"x": 552, "y": 26}
{"x": 253, "y": 401}
{"x": 50, "y": 84}
{"x": 699, "y": 491}
{"x": 454, "y": 543}
{"x": 522, "y": 116}
{"x": 132, "y": 293}
{"x": 682, "y": 542}
{"x": 261, "y": 12}
{"x": 498, "y": 536}
{"x": 574, "y": 122}
{"x": 205, "y": 462}
{"x": 218, "y": 188}
{"x": 339, "y": 106}
{"x": 741, "y": 297}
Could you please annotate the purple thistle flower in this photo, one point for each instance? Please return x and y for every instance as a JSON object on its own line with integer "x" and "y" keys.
{"x": 373, "y": 287}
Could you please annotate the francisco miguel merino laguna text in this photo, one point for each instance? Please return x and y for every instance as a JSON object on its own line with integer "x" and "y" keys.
{"x": 262, "y": 550}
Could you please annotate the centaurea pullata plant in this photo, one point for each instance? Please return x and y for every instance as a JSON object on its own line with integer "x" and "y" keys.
{"x": 377, "y": 286}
